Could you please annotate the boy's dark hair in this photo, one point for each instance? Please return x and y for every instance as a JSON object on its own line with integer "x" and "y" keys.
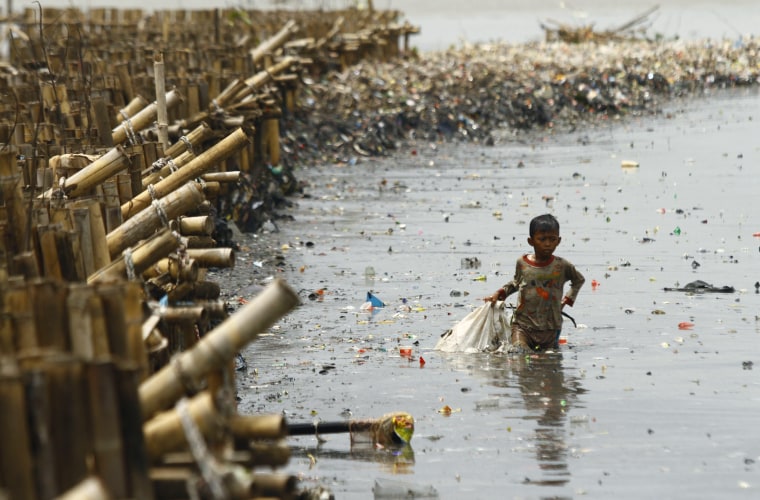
{"x": 544, "y": 223}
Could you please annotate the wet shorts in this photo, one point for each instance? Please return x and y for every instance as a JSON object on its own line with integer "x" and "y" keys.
{"x": 535, "y": 340}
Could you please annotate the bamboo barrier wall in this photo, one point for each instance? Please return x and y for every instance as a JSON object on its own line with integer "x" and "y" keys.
{"x": 115, "y": 351}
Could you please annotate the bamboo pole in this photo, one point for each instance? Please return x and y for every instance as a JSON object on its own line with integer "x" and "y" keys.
{"x": 131, "y": 126}
{"x": 81, "y": 335}
{"x": 255, "y": 82}
{"x": 105, "y": 428}
{"x": 165, "y": 432}
{"x": 251, "y": 427}
{"x": 91, "y": 488}
{"x": 270, "y": 45}
{"x": 16, "y": 463}
{"x": 183, "y": 314}
{"x": 169, "y": 165}
{"x": 181, "y": 270}
{"x": 128, "y": 379}
{"x": 142, "y": 257}
{"x": 273, "y": 485}
{"x": 230, "y": 176}
{"x": 218, "y": 347}
{"x": 107, "y": 165}
{"x": 198, "y": 166}
{"x": 18, "y": 304}
{"x": 132, "y": 108}
{"x": 212, "y": 257}
{"x": 198, "y": 225}
{"x": 81, "y": 223}
{"x": 150, "y": 218}
{"x": 195, "y": 138}
{"x": 60, "y": 422}
{"x": 163, "y": 120}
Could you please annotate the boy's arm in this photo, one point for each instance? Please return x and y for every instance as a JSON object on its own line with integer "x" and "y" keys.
{"x": 576, "y": 282}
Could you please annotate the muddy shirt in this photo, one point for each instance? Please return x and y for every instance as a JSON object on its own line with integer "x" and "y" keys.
{"x": 540, "y": 287}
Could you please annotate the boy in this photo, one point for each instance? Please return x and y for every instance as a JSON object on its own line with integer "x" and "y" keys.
{"x": 539, "y": 279}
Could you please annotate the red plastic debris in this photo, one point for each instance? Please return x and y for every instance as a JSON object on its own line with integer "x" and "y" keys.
{"x": 685, "y": 325}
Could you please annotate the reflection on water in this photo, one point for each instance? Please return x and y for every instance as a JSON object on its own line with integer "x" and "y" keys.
{"x": 547, "y": 393}
{"x": 392, "y": 460}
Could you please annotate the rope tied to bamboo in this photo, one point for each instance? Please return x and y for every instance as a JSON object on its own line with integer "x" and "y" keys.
{"x": 129, "y": 263}
{"x": 157, "y": 165}
{"x": 207, "y": 463}
{"x": 188, "y": 144}
{"x": 217, "y": 108}
{"x": 172, "y": 166}
{"x": 130, "y": 131}
{"x": 155, "y": 202}
{"x": 124, "y": 114}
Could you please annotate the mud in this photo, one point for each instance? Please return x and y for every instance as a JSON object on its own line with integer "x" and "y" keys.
{"x": 654, "y": 394}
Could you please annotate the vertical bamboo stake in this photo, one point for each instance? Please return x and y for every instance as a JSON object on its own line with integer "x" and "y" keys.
{"x": 132, "y": 432}
{"x": 112, "y": 297}
{"x": 102, "y": 121}
{"x": 98, "y": 234}
{"x": 80, "y": 321}
{"x": 163, "y": 125}
{"x": 16, "y": 465}
{"x": 105, "y": 429}
{"x": 133, "y": 316}
{"x": 81, "y": 224}
{"x": 18, "y": 304}
{"x": 49, "y": 304}
{"x": 49, "y": 251}
{"x": 59, "y": 422}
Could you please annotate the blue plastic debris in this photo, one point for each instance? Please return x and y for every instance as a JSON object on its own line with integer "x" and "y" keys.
{"x": 374, "y": 301}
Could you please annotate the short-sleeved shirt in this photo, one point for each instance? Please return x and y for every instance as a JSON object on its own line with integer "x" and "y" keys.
{"x": 540, "y": 292}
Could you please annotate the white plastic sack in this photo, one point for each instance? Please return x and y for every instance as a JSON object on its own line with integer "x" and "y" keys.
{"x": 485, "y": 329}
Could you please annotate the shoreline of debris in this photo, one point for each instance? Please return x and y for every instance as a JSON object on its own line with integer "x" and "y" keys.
{"x": 112, "y": 221}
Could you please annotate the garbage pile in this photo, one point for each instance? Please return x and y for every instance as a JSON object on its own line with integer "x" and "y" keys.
{"x": 479, "y": 93}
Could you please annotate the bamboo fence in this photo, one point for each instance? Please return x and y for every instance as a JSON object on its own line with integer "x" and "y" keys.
{"x": 120, "y": 133}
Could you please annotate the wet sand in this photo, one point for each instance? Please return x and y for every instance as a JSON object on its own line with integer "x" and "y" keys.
{"x": 633, "y": 406}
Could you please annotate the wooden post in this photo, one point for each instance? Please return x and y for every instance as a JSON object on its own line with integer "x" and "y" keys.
{"x": 218, "y": 347}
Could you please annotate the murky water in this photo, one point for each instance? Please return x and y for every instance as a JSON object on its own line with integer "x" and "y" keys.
{"x": 638, "y": 404}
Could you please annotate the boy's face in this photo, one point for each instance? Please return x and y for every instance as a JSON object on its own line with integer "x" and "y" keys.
{"x": 544, "y": 243}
